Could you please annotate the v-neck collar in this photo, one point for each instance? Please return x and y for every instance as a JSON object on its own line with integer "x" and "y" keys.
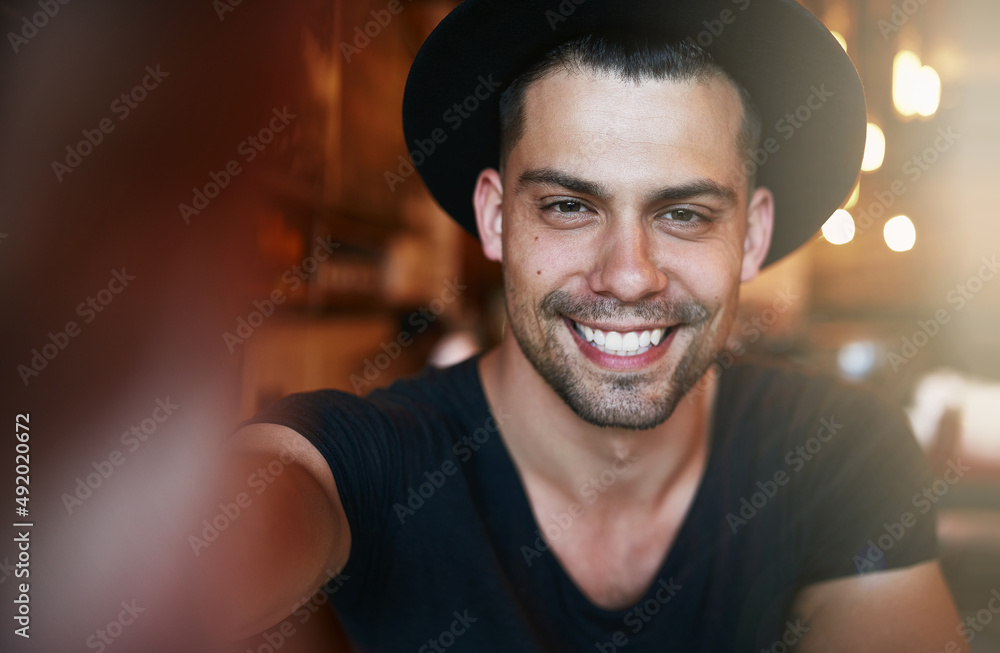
{"x": 514, "y": 526}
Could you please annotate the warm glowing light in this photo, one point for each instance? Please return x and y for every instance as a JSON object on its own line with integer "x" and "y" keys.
{"x": 929, "y": 98}
{"x": 840, "y": 39}
{"x": 905, "y": 68}
{"x": 874, "y": 148}
{"x": 900, "y": 234}
{"x": 916, "y": 89}
{"x": 839, "y": 229}
{"x": 855, "y": 196}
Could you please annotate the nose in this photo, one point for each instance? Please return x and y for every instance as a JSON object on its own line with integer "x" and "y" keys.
{"x": 626, "y": 267}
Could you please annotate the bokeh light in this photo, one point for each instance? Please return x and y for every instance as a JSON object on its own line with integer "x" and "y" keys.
{"x": 900, "y": 234}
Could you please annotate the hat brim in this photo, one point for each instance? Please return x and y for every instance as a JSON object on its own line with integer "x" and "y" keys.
{"x": 807, "y": 90}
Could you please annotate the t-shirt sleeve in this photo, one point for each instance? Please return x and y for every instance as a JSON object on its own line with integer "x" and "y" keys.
{"x": 865, "y": 494}
{"x": 361, "y": 445}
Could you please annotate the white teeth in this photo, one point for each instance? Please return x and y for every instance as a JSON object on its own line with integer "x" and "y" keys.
{"x": 630, "y": 343}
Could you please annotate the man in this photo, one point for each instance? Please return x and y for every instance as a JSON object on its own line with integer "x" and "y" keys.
{"x": 587, "y": 485}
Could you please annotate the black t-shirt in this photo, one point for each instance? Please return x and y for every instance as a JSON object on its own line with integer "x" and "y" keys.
{"x": 807, "y": 480}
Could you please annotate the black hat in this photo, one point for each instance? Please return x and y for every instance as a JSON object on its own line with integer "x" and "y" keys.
{"x": 807, "y": 91}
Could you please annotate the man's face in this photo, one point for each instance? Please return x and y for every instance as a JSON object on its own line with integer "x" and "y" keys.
{"x": 624, "y": 219}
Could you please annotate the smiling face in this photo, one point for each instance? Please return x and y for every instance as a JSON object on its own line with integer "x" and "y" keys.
{"x": 624, "y": 228}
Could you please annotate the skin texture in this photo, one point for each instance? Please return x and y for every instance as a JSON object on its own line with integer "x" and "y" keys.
{"x": 620, "y": 255}
{"x": 633, "y": 251}
{"x": 581, "y": 225}
{"x": 623, "y": 205}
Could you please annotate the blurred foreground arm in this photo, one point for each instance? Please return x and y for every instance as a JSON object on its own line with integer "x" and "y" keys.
{"x": 287, "y": 533}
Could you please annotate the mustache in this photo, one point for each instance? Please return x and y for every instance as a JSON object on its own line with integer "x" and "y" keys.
{"x": 598, "y": 309}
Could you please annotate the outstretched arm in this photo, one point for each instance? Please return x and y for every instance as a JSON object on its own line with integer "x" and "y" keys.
{"x": 290, "y": 537}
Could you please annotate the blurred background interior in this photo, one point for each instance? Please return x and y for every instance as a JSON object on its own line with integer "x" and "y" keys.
{"x": 897, "y": 291}
{"x": 372, "y": 281}
{"x": 894, "y": 292}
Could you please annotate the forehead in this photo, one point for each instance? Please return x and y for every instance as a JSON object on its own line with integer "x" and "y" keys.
{"x": 584, "y": 121}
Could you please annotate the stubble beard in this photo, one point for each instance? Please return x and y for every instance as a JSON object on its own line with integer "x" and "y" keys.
{"x": 638, "y": 400}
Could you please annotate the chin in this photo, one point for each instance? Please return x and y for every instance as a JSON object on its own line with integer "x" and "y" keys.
{"x": 634, "y": 401}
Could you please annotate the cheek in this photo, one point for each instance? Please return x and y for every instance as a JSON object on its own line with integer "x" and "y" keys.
{"x": 711, "y": 276}
{"x": 524, "y": 274}
{"x": 541, "y": 260}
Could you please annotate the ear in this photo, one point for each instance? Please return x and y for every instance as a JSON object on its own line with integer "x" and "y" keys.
{"x": 760, "y": 225}
{"x": 487, "y": 199}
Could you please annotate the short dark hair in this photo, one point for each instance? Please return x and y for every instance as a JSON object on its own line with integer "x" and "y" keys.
{"x": 630, "y": 58}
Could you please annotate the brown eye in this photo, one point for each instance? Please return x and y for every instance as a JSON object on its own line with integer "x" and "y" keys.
{"x": 681, "y": 215}
{"x": 568, "y": 207}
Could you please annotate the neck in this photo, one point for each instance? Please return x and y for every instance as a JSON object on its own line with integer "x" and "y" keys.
{"x": 552, "y": 446}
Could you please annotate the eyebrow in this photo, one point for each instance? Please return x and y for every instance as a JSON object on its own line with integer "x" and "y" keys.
{"x": 695, "y": 188}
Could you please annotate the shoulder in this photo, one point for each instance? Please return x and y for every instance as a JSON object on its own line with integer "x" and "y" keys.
{"x": 796, "y": 391}
{"x": 428, "y": 403}
{"x": 434, "y": 389}
{"x": 783, "y": 408}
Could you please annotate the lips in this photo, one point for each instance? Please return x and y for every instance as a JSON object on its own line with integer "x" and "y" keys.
{"x": 622, "y": 343}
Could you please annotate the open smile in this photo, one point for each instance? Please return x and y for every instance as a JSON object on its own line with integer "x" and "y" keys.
{"x": 622, "y": 347}
{"x": 622, "y": 342}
